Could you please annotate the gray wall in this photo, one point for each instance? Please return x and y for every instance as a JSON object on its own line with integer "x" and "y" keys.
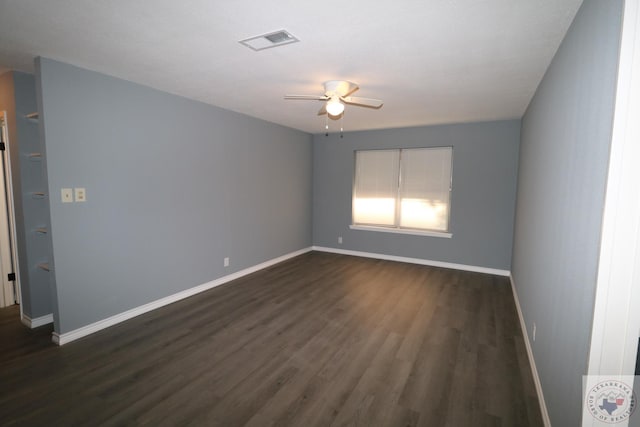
{"x": 173, "y": 187}
{"x": 566, "y": 135}
{"x": 18, "y": 98}
{"x": 485, "y": 157}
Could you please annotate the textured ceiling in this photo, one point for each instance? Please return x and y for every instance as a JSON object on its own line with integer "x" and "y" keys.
{"x": 431, "y": 61}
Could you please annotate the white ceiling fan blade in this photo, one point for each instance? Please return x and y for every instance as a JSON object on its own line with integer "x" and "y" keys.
{"x": 322, "y": 110}
{"x": 352, "y": 87}
{"x": 311, "y": 97}
{"x": 364, "y": 102}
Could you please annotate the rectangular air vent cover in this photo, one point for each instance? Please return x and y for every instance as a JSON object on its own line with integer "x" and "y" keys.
{"x": 266, "y": 41}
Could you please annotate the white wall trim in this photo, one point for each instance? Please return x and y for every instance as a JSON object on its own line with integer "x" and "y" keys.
{"x": 75, "y": 334}
{"x": 441, "y": 234}
{"x": 420, "y": 261}
{"x": 532, "y": 362}
{"x": 38, "y": 321}
{"x": 67, "y": 337}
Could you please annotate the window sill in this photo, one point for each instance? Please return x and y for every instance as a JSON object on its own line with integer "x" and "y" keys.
{"x": 440, "y": 234}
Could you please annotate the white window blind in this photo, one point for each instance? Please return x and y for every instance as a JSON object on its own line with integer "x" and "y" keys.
{"x": 407, "y": 188}
{"x": 376, "y": 187}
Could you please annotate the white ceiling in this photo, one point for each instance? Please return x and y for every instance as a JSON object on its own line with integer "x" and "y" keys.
{"x": 431, "y": 61}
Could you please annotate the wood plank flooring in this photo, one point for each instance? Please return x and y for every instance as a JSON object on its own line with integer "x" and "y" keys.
{"x": 319, "y": 340}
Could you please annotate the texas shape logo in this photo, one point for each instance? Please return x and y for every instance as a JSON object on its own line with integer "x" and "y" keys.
{"x": 611, "y": 401}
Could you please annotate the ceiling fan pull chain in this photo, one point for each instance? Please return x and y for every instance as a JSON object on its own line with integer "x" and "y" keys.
{"x": 326, "y": 125}
{"x": 341, "y": 124}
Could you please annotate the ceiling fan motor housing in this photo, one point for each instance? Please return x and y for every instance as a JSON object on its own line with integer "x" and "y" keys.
{"x": 339, "y": 88}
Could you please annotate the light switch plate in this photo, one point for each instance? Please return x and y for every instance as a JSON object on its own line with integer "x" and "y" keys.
{"x": 67, "y": 195}
{"x": 81, "y": 194}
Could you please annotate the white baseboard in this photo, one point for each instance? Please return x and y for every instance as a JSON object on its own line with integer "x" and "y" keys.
{"x": 38, "y": 321}
{"x": 67, "y": 337}
{"x": 451, "y": 265}
{"x": 536, "y": 378}
{"x": 70, "y": 336}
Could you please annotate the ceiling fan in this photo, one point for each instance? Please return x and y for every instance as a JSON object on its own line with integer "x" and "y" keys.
{"x": 337, "y": 93}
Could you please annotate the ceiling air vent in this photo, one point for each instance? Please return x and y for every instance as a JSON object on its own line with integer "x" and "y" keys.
{"x": 265, "y": 41}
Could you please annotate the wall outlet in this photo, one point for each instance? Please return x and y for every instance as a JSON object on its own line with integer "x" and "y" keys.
{"x": 80, "y": 194}
{"x": 67, "y": 195}
{"x": 226, "y": 261}
{"x": 534, "y": 332}
{"x": 339, "y": 240}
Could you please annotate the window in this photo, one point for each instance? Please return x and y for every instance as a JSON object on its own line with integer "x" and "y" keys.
{"x": 403, "y": 190}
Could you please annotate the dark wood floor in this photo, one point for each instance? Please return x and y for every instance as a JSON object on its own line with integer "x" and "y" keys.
{"x": 319, "y": 340}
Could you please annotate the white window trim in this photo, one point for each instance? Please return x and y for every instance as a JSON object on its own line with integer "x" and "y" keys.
{"x": 442, "y": 234}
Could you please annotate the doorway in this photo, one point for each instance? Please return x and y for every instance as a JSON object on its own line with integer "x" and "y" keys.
{"x": 9, "y": 288}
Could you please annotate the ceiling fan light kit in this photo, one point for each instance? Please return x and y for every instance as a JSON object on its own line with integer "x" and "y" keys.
{"x": 334, "y": 107}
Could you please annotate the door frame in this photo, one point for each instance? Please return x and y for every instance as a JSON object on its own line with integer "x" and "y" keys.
{"x": 616, "y": 321}
{"x": 10, "y": 214}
